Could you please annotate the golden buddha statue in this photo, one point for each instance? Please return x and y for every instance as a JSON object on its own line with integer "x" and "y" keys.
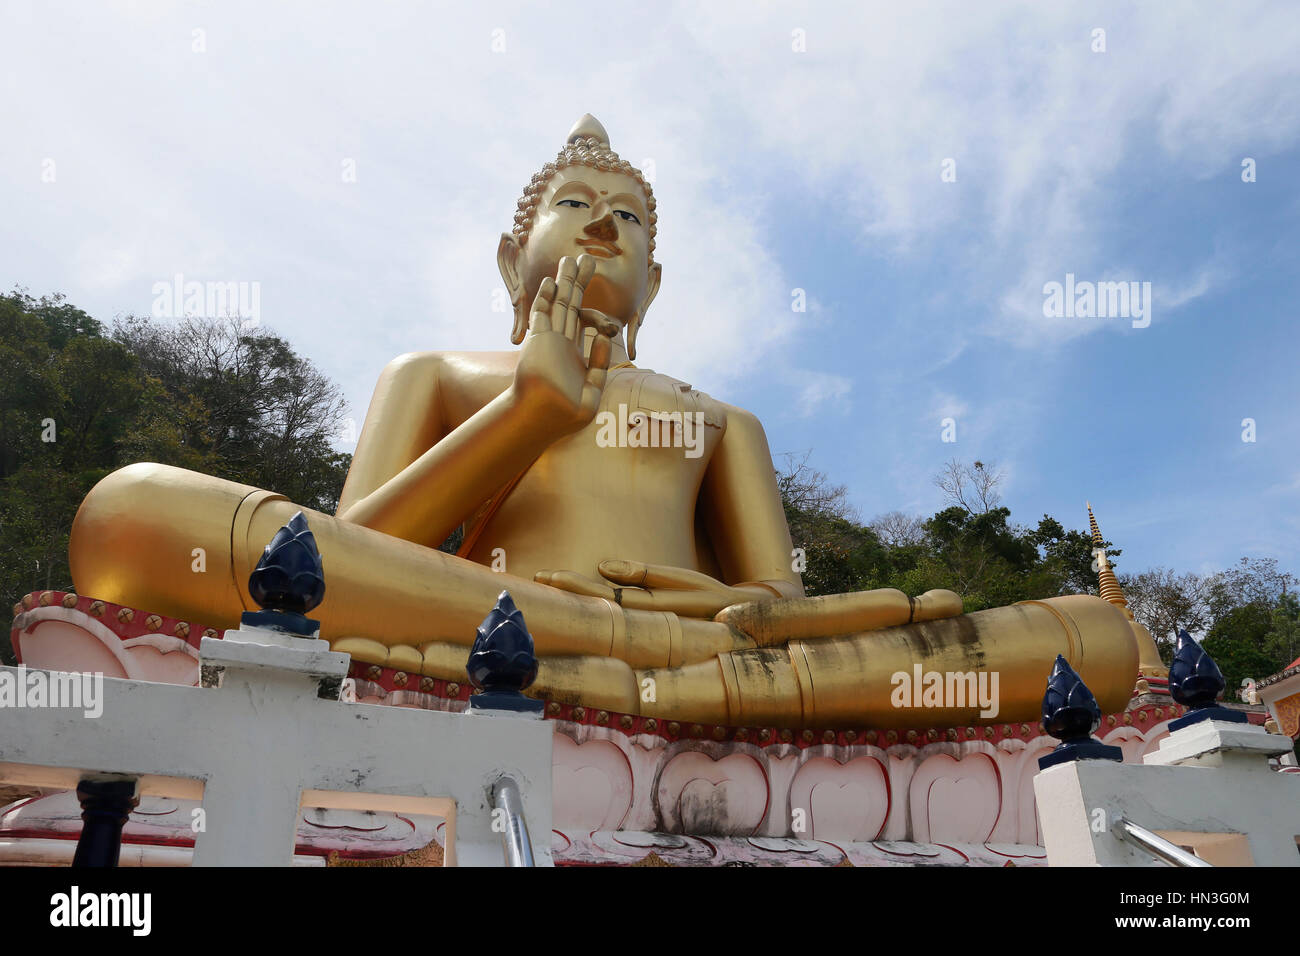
{"x": 635, "y": 521}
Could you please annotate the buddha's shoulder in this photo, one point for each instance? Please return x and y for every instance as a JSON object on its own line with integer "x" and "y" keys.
{"x": 451, "y": 365}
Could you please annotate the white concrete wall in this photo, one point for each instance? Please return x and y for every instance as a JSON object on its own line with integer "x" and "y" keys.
{"x": 263, "y": 744}
{"x": 1209, "y": 787}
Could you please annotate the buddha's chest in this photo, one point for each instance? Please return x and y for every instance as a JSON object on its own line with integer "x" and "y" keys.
{"x": 664, "y": 419}
{"x": 652, "y": 438}
{"x": 647, "y": 391}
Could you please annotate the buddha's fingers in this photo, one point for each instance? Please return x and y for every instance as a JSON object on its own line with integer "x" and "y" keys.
{"x": 572, "y": 325}
{"x": 693, "y": 604}
{"x": 593, "y": 385}
{"x": 601, "y": 322}
{"x": 639, "y": 574}
{"x": 575, "y": 583}
{"x": 540, "y": 317}
{"x": 564, "y": 279}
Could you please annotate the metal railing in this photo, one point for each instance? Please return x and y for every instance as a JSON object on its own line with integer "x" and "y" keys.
{"x": 517, "y": 847}
{"x": 1128, "y": 831}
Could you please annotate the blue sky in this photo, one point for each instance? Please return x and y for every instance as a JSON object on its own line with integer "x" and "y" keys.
{"x": 775, "y": 169}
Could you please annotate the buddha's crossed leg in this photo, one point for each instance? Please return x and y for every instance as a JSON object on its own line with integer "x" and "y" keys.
{"x": 184, "y": 544}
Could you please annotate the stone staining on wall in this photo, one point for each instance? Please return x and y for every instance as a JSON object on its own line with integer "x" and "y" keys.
{"x": 969, "y": 785}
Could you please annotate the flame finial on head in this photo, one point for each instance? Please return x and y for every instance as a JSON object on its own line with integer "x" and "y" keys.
{"x": 589, "y": 128}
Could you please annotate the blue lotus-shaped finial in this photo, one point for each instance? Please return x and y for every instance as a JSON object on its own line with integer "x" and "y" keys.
{"x": 502, "y": 660}
{"x": 1194, "y": 679}
{"x": 1070, "y": 712}
{"x": 289, "y": 577}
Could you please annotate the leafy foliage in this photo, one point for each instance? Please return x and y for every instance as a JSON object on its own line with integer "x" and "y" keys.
{"x": 1249, "y": 615}
{"x": 970, "y": 547}
{"x": 77, "y": 403}
{"x": 1237, "y": 643}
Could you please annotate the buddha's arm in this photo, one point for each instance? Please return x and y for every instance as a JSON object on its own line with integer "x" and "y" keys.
{"x": 413, "y": 478}
{"x": 743, "y": 512}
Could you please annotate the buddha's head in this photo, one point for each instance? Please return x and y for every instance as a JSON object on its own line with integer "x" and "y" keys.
{"x": 587, "y": 202}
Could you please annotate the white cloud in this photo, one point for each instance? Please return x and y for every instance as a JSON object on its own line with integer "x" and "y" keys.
{"x": 1044, "y": 131}
{"x": 822, "y": 390}
{"x": 1189, "y": 288}
{"x": 226, "y": 164}
{"x": 944, "y": 405}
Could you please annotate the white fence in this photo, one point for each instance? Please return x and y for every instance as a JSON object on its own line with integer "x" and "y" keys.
{"x": 271, "y": 737}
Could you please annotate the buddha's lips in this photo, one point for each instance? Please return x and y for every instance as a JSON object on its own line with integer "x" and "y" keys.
{"x": 600, "y": 247}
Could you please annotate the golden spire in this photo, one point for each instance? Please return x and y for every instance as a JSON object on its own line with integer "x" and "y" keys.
{"x": 1110, "y": 589}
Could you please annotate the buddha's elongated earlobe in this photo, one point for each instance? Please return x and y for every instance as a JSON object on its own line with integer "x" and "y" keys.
{"x": 520, "y": 328}
{"x": 508, "y": 253}
{"x": 634, "y": 324}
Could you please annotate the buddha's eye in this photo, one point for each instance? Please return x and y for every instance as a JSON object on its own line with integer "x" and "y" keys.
{"x": 624, "y": 214}
{"x": 575, "y": 203}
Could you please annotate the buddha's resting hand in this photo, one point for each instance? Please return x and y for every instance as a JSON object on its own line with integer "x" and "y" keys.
{"x": 552, "y": 378}
{"x": 658, "y": 587}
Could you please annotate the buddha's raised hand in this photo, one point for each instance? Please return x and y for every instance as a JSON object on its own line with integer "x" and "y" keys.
{"x": 552, "y": 377}
{"x": 658, "y": 587}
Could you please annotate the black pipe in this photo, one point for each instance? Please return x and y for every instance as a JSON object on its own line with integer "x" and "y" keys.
{"x": 105, "y": 805}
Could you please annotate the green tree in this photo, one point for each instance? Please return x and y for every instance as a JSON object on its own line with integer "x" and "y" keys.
{"x": 1283, "y": 638}
{"x": 1255, "y": 602}
{"x": 67, "y": 396}
{"x": 1069, "y": 554}
{"x": 29, "y": 393}
{"x": 76, "y": 403}
{"x": 970, "y": 547}
{"x": 1166, "y": 602}
{"x": 245, "y": 404}
{"x": 1236, "y": 641}
{"x": 840, "y": 555}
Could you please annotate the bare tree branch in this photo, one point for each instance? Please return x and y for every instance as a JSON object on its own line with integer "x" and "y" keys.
{"x": 973, "y": 488}
{"x": 808, "y": 490}
{"x": 896, "y": 529}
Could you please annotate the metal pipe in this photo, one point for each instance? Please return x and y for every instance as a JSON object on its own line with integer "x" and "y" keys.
{"x": 1157, "y": 846}
{"x": 517, "y": 847}
{"x": 106, "y": 803}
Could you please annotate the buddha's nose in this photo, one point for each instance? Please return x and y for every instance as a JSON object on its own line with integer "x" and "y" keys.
{"x": 603, "y": 228}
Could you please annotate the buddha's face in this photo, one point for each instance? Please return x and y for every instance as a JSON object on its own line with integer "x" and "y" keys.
{"x": 598, "y": 213}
